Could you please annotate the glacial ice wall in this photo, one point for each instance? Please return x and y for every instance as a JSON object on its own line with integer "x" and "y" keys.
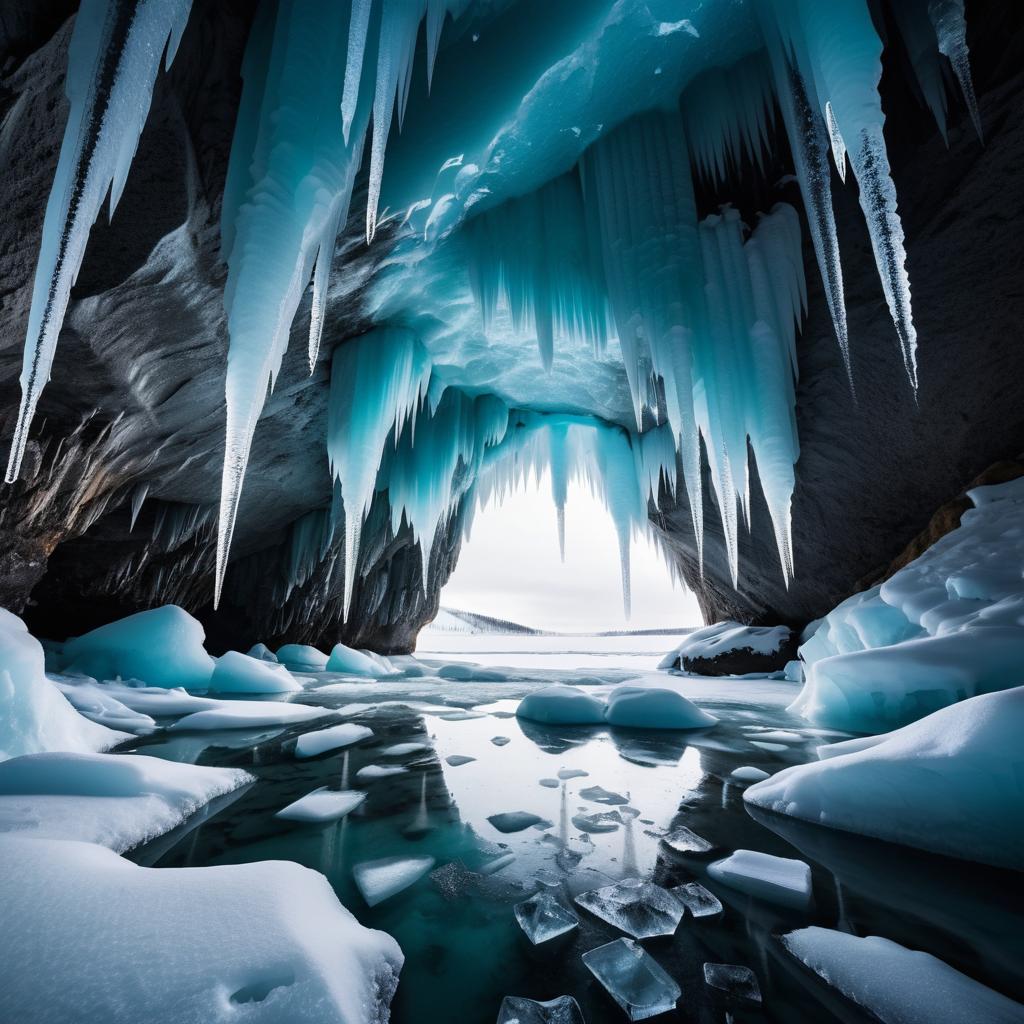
{"x": 572, "y": 229}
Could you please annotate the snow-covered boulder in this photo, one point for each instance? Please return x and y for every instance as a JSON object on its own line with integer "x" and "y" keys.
{"x": 350, "y": 662}
{"x": 947, "y": 626}
{"x": 732, "y": 649}
{"x": 952, "y": 783}
{"x": 118, "y": 800}
{"x": 240, "y": 673}
{"x": 34, "y": 715}
{"x": 302, "y": 658}
{"x": 261, "y": 943}
{"x": 893, "y": 983}
{"x": 561, "y": 705}
{"x": 162, "y": 647}
{"x": 653, "y": 707}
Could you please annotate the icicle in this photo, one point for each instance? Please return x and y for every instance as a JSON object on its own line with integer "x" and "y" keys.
{"x": 919, "y": 38}
{"x": 951, "y": 30}
{"x": 359, "y": 26}
{"x": 138, "y": 497}
{"x": 113, "y": 59}
{"x": 838, "y": 145}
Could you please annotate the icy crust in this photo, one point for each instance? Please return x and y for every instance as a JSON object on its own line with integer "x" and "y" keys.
{"x": 116, "y": 800}
{"x": 948, "y": 626}
{"x": 897, "y": 985}
{"x": 264, "y": 942}
{"x": 161, "y": 646}
{"x": 952, "y": 783}
{"x": 627, "y": 706}
{"x": 34, "y": 715}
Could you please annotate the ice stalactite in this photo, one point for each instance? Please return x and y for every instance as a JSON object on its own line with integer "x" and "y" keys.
{"x": 378, "y": 383}
{"x": 947, "y": 16}
{"x": 113, "y": 60}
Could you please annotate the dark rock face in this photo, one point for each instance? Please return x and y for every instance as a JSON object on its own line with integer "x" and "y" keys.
{"x": 134, "y": 409}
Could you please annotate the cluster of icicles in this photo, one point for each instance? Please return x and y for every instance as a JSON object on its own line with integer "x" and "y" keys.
{"x": 705, "y": 318}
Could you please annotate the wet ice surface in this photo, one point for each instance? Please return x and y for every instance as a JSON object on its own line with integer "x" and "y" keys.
{"x": 459, "y": 910}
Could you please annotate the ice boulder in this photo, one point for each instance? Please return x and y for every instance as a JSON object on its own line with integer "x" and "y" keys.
{"x": 561, "y": 705}
{"x": 351, "y": 662}
{"x": 161, "y": 646}
{"x": 34, "y": 715}
{"x": 893, "y": 983}
{"x": 947, "y": 626}
{"x": 241, "y": 673}
{"x": 118, "y": 800}
{"x": 263, "y": 652}
{"x": 302, "y": 658}
{"x": 952, "y": 783}
{"x": 652, "y": 707}
{"x": 264, "y": 942}
{"x": 732, "y": 649}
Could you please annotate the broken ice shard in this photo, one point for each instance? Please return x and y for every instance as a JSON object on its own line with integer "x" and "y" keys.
{"x": 543, "y": 918}
{"x": 739, "y": 983}
{"x": 684, "y": 840}
{"x": 641, "y": 909}
{"x": 517, "y": 1010}
{"x": 606, "y": 821}
{"x": 599, "y": 795}
{"x": 699, "y": 901}
{"x": 379, "y": 880}
{"x": 633, "y": 978}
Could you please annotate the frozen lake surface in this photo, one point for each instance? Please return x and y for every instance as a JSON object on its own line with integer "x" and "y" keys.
{"x": 469, "y": 811}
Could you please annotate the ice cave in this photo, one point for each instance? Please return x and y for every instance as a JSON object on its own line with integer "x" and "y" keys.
{"x": 513, "y": 511}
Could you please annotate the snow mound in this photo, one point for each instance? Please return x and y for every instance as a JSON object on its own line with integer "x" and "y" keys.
{"x": 350, "y": 662}
{"x": 161, "y": 647}
{"x": 117, "y": 800}
{"x": 34, "y": 716}
{"x": 896, "y": 984}
{"x": 952, "y": 783}
{"x": 249, "y": 714}
{"x": 266, "y": 942}
{"x": 651, "y": 707}
{"x": 561, "y": 705}
{"x": 948, "y": 626}
{"x": 241, "y": 673}
{"x": 302, "y": 658}
{"x": 309, "y": 744}
{"x": 730, "y": 648}
{"x": 777, "y": 879}
{"x": 91, "y": 699}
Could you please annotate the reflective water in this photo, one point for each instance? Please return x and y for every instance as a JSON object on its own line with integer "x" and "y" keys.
{"x": 465, "y": 951}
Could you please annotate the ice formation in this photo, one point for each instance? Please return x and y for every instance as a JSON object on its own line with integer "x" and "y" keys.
{"x": 543, "y": 918}
{"x": 310, "y": 744}
{"x": 893, "y": 983}
{"x": 379, "y": 880}
{"x": 561, "y": 705}
{"x": 519, "y": 1010}
{"x": 650, "y": 707}
{"x": 726, "y": 638}
{"x": 735, "y": 981}
{"x": 633, "y": 978}
{"x": 238, "y": 673}
{"x": 354, "y": 663}
{"x": 943, "y": 628}
{"x": 302, "y": 658}
{"x": 572, "y": 225}
{"x": 640, "y": 909}
{"x": 777, "y": 879}
{"x": 949, "y": 783}
{"x": 248, "y": 714}
{"x": 322, "y": 805}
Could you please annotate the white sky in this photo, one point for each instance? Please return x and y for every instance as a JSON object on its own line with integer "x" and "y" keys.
{"x": 510, "y": 569}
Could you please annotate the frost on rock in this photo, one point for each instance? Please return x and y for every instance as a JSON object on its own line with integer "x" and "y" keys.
{"x": 113, "y": 60}
{"x": 941, "y": 629}
{"x": 293, "y": 953}
{"x": 34, "y": 715}
{"x": 893, "y": 983}
{"x": 949, "y": 783}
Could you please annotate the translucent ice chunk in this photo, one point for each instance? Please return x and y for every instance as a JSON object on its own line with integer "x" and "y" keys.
{"x": 633, "y": 978}
{"x": 641, "y": 909}
{"x": 372, "y": 772}
{"x": 454, "y": 760}
{"x": 312, "y": 743}
{"x": 778, "y": 879}
{"x": 543, "y": 918}
{"x": 323, "y": 804}
{"x": 699, "y": 901}
{"x": 379, "y": 880}
{"x": 401, "y": 749}
{"x": 571, "y": 773}
{"x": 735, "y": 981}
{"x": 599, "y": 795}
{"x": 606, "y": 821}
{"x": 513, "y": 821}
{"x": 748, "y": 773}
{"x": 517, "y": 1010}
{"x": 684, "y": 840}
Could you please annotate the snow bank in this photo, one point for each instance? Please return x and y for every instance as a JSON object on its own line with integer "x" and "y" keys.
{"x": 897, "y": 984}
{"x": 632, "y": 707}
{"x": 117, "y": 800}
{"x": 302, "y": 658}
{"x": 161, "y": 647}
{"x": 34, "y": 716}
{"x": 561, "y": 705}
{"x": 241, "y": 673}
{"x": 264, "y": 942}
{"x": 651, "y": 707}
{"x": 948, "y": 626}
{"x": 952, "y": 783}
{"x": 248, "y": 714}
{"x": 351, "y": 662}
{"x": 730, "y": 648}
